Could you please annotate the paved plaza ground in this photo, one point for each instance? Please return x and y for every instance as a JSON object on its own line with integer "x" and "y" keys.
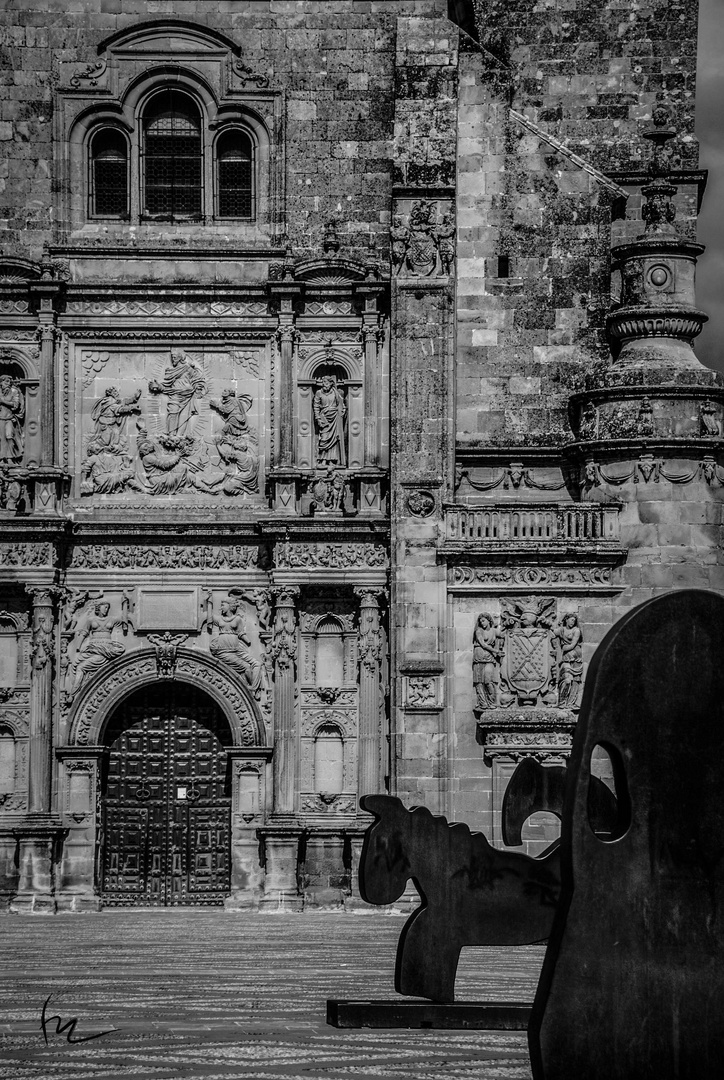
{"x": 198, "y": 993}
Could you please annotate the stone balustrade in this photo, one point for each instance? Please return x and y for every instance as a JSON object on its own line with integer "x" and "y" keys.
{"x": 582, "y": 523}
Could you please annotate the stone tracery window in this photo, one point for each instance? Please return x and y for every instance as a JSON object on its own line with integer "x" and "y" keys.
{"x": 108, "y": 179}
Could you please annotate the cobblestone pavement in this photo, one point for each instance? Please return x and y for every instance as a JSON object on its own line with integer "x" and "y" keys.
{"x": 198, "y": 993}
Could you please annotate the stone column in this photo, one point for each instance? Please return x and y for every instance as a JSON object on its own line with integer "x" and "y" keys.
{"x": 371, "y": 656}
{"x": 284, "y": 655}
{"x": 47, "y": 389}
{"x": 286, "y": 335}
{"x": 41, "y": 688}
{"x": 371, "y": 336}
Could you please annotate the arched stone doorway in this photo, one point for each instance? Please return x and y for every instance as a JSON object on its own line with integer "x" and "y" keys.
{"x": 166, "y": 800}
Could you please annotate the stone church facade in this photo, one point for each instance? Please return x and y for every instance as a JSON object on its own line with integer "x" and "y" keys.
{"x": 347, "y": 399}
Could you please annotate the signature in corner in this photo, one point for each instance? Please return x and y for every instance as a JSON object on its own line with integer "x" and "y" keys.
{"x": 61, "y": 1028}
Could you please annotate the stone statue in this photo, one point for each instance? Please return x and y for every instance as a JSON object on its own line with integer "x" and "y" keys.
{"x": 570, "y": 660}
{"x": 165, "y": 463}
{"x": 94, "y": 643}
{"x": 230, "y": 642}
{"x": 106, "y": 470}
{"x": 710, "y": 424}
{"x": 12, "y": 417}
{"x": 399, "y": 239}
{"x": 182, "y": 384}
{"x": 109, "y": 416}
{"x": 487, "y": 654}
{"x": 329, "y": 412}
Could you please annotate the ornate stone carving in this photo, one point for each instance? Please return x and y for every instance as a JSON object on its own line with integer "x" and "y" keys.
{"x": 313, "y": 720}
{"x": 709, "y": 420}
{"x": 425, "y": 246}
{"x": 525, "y": 660}
{"x": 334, "y": 556}
{"x": 488, "y": 648}
{"x": 329, "y": 409}
{"x": 42, "y": 640}
{"x": 247, "y": 77}
{"x": 165, "y": 557}
{"x": 182, "y": 384}
{"x": 22, "y": 554}
{"x": 569, "y": 657}
{"x": 283, "y": 647}
{"x": 338, "y": 804}
{"x": 166, "y": 646}
{"x": 371, "y": 638}
{"x": 422, "y": 692}
{"x": 107, "y": 467}
{"x": 649, "y": 468}
{"x": 91, "y": 74}
{"x": 421, "y": 503}
{"x": 12, "y": 419}
{"x": 327, "y": 492}
{"x": 529, "y": 575}
{"x": 95, "y": 644}
{"x": 236, "y": 444}
{"x": 230, "y": 642}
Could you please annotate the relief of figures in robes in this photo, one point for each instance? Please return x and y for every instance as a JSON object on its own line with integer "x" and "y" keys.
{"x": 231, "y": 643}
{"x": 192, "y": 442}
{"x": 92, "y": 625}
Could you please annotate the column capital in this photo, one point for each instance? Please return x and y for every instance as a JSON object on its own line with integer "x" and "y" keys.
{"x": 370, "y": 597}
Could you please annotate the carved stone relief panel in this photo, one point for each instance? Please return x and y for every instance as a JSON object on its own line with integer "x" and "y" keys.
{"x": 166, "y": 423}
{"x": 422, "y": 238}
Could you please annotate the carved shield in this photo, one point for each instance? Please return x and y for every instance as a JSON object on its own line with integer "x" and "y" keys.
{"x": 528, "y": 660}
{"x": 421, "y": 253}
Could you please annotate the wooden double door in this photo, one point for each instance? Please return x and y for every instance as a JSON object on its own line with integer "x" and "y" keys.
{"x": 166, "y": 803}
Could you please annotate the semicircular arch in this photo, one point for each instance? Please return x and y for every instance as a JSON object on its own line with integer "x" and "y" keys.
{"x": 97, "y": 701}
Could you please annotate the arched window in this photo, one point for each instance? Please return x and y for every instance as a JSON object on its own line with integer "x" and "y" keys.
{"x": 7, "y": 762}
{"x": 109, "y": 174}
{"x": 235, "y": 175}
{"x": 172, "y": 155}
{"x": 330, "y": 653}
{"x": 328, "y": 761}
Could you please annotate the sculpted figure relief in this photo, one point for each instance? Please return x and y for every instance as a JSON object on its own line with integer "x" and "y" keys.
{"x": 109, "y": 416}
{"x": 487, "y": 655}
{"x": 570, "y": 660}
{"x": 107, "y": 467}
{"x": 230, "y": 641}
{"x": 329, "y": 412}
{"x": 12, "y": 417}
{"x": 236, "y": 444}
{"x": 95, "y": 644}
{"x": 182, "y": 384}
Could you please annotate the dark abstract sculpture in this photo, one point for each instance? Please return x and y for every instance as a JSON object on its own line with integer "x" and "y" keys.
{"x": 534, "y": 787}
{"x": 472, "y": 893}
{"x": 633, "y": 978}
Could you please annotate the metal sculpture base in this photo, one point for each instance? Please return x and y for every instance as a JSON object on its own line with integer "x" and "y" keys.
{"x": 464, "y": 1015}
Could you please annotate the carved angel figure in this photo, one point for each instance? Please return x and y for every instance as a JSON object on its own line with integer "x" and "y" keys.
{"x": 12, "y": 416}
{"x": 445, "y": 235}
{"x": 487, "y": 654}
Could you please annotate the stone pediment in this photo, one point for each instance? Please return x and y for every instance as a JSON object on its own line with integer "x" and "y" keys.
{"x": 337, "y": 271}
{"x": 166, "y": 37}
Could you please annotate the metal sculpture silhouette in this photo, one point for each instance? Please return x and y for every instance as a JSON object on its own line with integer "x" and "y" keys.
{"x": 534, "y": 787}
{"x": 472, "y": 893}
{"x": 633, "y": 978}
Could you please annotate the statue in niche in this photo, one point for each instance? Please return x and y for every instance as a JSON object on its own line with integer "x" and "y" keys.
{"x": 569, "y": 640}
{"x": 487, "y": 656}
{"x": 236, "y": 444}
{"x": 182, "y": 384}
{"x": 230, "y": 642}
{"x": 329, "y": 413}
{"x": 109, "y": 416}
{"x": 95, "y": 644}
{"x": 12, "y": 417}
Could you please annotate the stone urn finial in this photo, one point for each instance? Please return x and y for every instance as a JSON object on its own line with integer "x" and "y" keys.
{"x": 658, "y": 211}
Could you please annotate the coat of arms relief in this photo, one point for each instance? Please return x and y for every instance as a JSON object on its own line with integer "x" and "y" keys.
{"x": 527, "y": 657}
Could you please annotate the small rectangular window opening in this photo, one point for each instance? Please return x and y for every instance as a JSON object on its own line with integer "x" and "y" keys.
{"x": 503, "y": 266}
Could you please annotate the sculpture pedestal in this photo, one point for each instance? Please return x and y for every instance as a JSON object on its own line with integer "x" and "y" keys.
{"x": 38, "y": 846}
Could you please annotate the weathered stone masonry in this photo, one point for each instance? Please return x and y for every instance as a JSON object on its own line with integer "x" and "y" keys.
{"x": 347, "y": 398}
